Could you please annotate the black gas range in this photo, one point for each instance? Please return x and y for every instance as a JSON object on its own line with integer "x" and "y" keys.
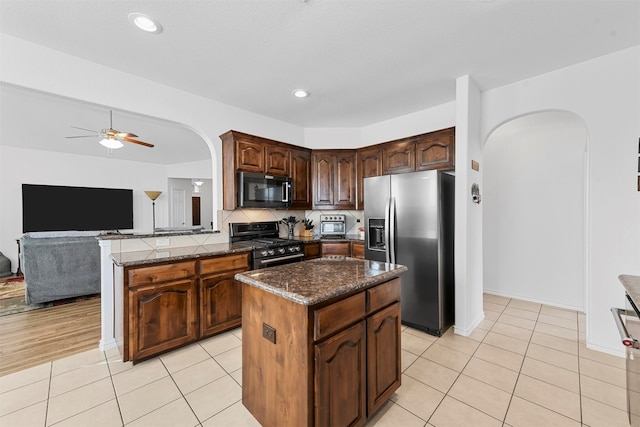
{"x": 268, "y": 249}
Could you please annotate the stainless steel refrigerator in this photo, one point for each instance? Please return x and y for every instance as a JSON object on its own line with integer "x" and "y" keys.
{"x": 409, "y": 220}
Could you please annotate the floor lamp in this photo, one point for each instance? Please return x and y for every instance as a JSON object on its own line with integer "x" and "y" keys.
{"x": 153, "y": 195}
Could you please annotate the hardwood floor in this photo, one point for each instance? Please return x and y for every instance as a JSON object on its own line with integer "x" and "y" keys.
{"x": 35, "y": 337}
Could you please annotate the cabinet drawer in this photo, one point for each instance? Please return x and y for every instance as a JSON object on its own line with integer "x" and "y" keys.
{"x": 161, "y": 273}
{"x": 334, "y": 317}
{"x": 224, "y": 263}
{"x": 383, "y": 295}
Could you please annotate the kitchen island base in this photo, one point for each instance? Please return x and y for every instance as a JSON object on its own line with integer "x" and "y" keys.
{"x": 333, "y": 363}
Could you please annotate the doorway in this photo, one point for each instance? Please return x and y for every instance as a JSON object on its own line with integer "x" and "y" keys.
{"x": 195, "y": 210}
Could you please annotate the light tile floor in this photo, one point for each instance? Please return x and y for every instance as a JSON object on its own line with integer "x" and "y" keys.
{"x": 525, "y": 365}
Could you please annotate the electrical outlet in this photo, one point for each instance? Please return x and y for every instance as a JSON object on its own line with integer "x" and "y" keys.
{"x": 163, "y": 241}
{"x": 269, "y": 333}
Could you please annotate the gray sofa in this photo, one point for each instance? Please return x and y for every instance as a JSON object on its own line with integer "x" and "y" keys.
{"x": 60, "y": 267}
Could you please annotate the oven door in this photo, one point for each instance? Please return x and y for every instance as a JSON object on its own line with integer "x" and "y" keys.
{"x": 272, "y": 262}
{"x": 628, "y": 323}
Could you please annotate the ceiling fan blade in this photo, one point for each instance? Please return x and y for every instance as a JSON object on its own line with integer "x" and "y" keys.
{"x": 135, "y": 141}
{"x": 83, "y": 136}
{"x": 126, "y": 135}
{"x": 88, "y": 130}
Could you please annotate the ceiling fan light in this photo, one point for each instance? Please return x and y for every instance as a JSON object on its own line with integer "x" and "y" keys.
{"x": 145, "y": 23}
{"x": 114, "y": 144}
{"x": 300, "y": 93}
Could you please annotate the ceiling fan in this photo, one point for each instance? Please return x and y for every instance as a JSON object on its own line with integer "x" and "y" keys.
{"x": 111, "y": 138}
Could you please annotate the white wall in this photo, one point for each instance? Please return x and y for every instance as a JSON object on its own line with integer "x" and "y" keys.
{"x": 603, "y": 92}
{"x": 533, "y": 201}
{"x": 319, "y": 138}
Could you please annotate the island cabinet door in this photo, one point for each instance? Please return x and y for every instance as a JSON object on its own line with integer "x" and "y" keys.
{"x": 340, "y": 381}
{"x": 220, "y": 303}
{"x": 163, "y": 316}
{"x": 383, "y": 354}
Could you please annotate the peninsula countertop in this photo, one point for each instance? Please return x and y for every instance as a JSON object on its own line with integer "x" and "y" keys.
{"x": 632, "y": 286}
{"x": 153, "y": 256}
{"x": 314, "y": 281}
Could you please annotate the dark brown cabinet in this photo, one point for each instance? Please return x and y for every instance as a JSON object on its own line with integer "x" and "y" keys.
{"x": 334, "y": 179}
{"x": 369, "y": 161}
{"x": 398, "y": 157}
{"x": 312, "y": 250}
{"x": 436, "y": 150}
{"x": 301, "y": 179}
{"x": 276, "y": 160}
{"x": 168, "y": 305}
{"x": 357, "y": 249}
{"x": 335, "y": 248}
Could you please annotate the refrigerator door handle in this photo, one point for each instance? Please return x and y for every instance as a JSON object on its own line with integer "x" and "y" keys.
{"x": 387, "y": 248}
{"x": 392, "y": 230}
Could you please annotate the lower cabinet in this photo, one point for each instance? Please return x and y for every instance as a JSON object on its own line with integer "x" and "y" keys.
{"x": 312, "y": 250}
{"x": 168, "y": 305}
{"x": 335, "y": 248}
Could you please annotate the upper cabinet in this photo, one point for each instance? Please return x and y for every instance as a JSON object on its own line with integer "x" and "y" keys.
{"x": 399, "y": 156}
{"x": 436, "y": 150}
{"x": 369, "y": 163}
{"x": 301, "y": 179}
{"x": 334, "y": 179}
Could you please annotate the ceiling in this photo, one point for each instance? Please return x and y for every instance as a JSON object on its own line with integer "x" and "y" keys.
{"x": 362, "y": 61}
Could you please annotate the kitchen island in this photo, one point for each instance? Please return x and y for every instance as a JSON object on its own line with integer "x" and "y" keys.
{"x": 321, "y": 341}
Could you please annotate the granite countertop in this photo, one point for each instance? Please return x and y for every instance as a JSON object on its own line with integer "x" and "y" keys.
{"x": 124, "y": 236}
{"x": 314, "y": 281}
{"x": 632, "y": 286}
{"x": 318, "y": 238}
{"x": 127, "y": 259}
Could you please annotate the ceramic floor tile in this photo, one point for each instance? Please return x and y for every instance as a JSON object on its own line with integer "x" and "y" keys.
{"x": 489, "y": 306}
{"x": 557, "y": 331}
{"x": 498, "y": 356}
{"x": 486, "y": 324}
{"x": 512, "y": 331}
{"x": 79, "y": 400}
{"x": 78, "y": 377}
{"x": 220, "y": 343}
{"x": 114, "y": 360}
{"x": 414, "y": 344}
{"x": 198, "y": 375}
{"x": 478, "y": 334}
{"x": 564, "y": 313}
{"x": 140, "y": 375}
{"x": 235, "y": 415}
{"x": 495, "y": 375}
{"x": 496, "y": 299}
{"x": 31, "y": 416}
{"x": 550, "y": 341}
{"x": 597, "y": 414}
{"x": 207, "y": 401}
{"x": 520, "y": 322}
{"x": 24, "y": 396}
{"x": 89, "y": 357}
{"x": 603, "y": 392}
{"x": 549, "y": 396}
{"x": 491, "y": 315}
{"x": 453, "y": 413}
{"x": 105, "y": 415}
{"x": 432, "y": 374}
{"x": 598, "y": 356}
{"x": 417, "y": 397}
{"x": 406, "y": 359}
{"x": 553, "y": 357}
{"x": 392, "y": 415}
{"x": 480, "y": 395}
{"x": 560, "y": 377}
{"x": 230, "y": 360}
{"x": 148, "y": 398}
{"x": 446, "y": 356}
{"x": 523, "y": 413}
{"x": 525, "y": 305}
{"x": 237, "y": 376}
{"x": 173, "y": 414}
{"x": 25, "y": 377}
{"x": 559, "y": 321}
{"x": 506, "y": 343}
{"x": 421, "y": 334}
{"x": 518, "y": 312}
{"x": 184, "y": 357}
{"x": 458, "y": 342}
{"x": 603, "y": 372}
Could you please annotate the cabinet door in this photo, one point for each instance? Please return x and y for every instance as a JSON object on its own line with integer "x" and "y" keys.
{"x": 277, "y": 160}
{"x": 335, "y": 248}
{"x": 344, "y": 190}
{"x": 436, "y": 151}
{"x": 249, "y": 156}
{"x": 323, "y": 177}
{"x": 357, "y": 250}
{"x": 301, "y": 179}
{"x": 220, "y": 303}
{"x": 311, "y": 250}
{"x": 369, "y": 161}
{"x": 383, "y": 356}
{"x": 398, "y": 157}
{"x": 162, "y": 317}
{"x": 340, "y": 380}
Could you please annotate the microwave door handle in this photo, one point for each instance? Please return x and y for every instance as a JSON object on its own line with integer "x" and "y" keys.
{"x": 285, "y": 191}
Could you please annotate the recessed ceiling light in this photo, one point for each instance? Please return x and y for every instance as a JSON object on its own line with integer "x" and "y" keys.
{"x": 145, "y": 23}
{"x": 300, "y": 93}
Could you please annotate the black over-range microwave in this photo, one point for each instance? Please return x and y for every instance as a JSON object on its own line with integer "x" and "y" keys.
{"x": 257, "y": 190}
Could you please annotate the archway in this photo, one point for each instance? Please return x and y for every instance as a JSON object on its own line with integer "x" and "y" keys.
{"x": 534, "y": 239}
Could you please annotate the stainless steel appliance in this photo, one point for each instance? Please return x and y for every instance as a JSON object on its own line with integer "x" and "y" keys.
{"x": 409, "y": 220}
{"x": 257, "y": 190}
{"x": 333, "y": 226}
{"x": 628, "y": 323}
{"x": 268, "y": 249}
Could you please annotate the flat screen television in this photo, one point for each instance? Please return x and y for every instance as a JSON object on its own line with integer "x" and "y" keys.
{"x": 61, "y": 208}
